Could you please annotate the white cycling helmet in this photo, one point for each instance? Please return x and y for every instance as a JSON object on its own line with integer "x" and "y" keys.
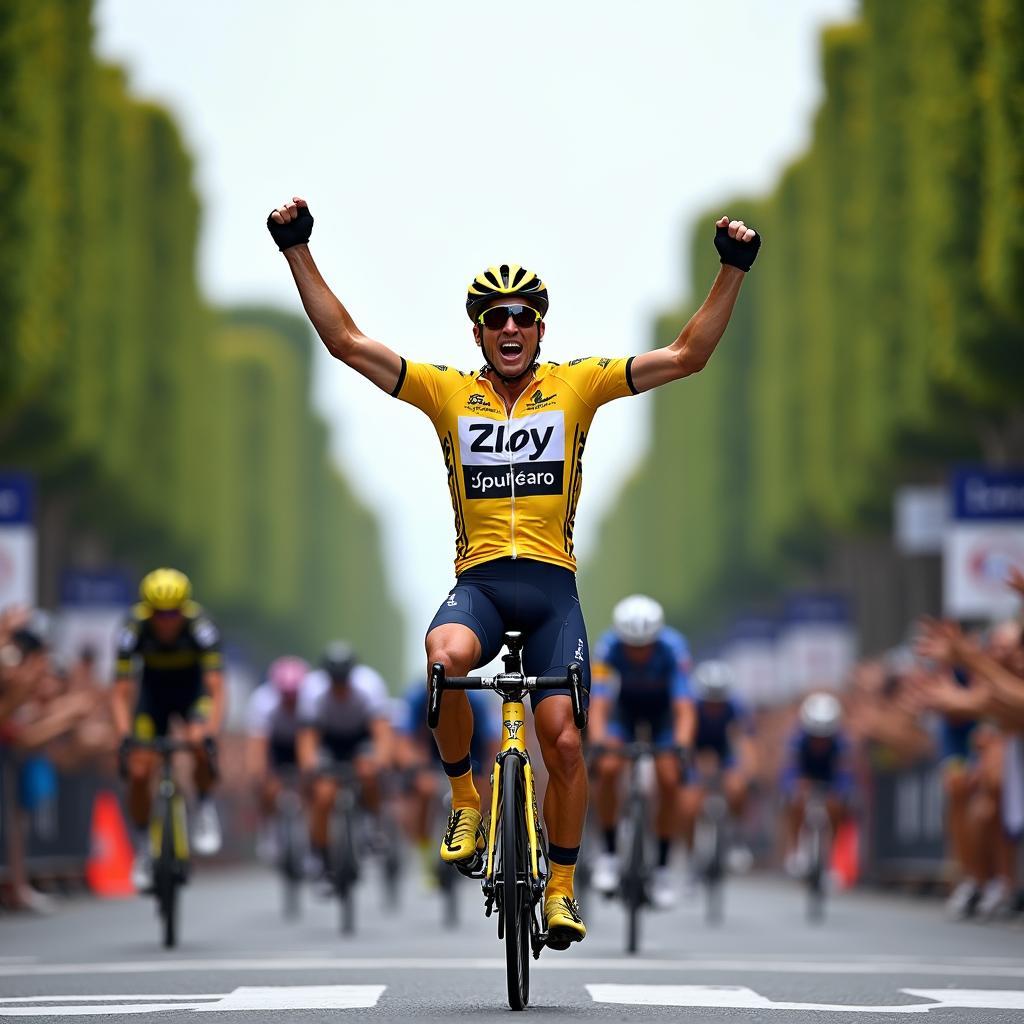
{"x": 638, "y": 620}
{"x": 820, "y": 714}
{"x": 713, "y": 680}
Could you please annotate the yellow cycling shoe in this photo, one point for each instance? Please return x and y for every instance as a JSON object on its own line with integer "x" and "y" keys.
{"x": 464, "y": 837}
{"x": 562, "y": 921}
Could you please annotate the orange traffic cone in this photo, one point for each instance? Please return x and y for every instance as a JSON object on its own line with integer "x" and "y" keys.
{"x": 846, "y": 854}
{"x": 109, "y": 868}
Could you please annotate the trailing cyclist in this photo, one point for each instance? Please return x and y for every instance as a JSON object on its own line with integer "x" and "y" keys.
{"x": 641, "y": 672}
{"x": 272, "y": 724}
{"x": 512, "y": 434}
{"x": 171, "y": 649}
{"x": 418, "y": 756}
{"x": 723, "y": 745}
{"x": 344, "y": 719}
{"x": 818, "y": 755}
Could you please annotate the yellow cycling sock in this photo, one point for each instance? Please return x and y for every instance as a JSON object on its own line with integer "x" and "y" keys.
{"x": 560, "y": 880}
{"x": 464, "y": 793}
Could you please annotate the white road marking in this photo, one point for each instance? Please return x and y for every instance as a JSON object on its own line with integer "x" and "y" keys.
{"x": 299, "y": 997}
{"x": 306, "y": 997}
{"x": 738, "y": 997}
{"x": 107, "y": 999}
{"x": 950, "y": 967}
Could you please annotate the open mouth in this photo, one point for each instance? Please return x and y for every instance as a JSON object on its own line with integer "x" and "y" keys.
{"x": 510, "y": 350}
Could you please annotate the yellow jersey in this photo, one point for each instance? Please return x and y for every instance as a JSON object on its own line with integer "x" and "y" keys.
{"x": 514, "y": 476}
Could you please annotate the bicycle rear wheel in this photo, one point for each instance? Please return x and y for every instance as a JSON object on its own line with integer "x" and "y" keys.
{"x": 515, "y": 882}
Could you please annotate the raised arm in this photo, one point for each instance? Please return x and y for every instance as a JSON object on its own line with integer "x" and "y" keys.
{"x": 291, "y": 225}
{"x": 737, "y": 245}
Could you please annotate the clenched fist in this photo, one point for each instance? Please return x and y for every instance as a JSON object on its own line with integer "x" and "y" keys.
{"x": 291, "y": 224}
{"x": 737, "y": 244}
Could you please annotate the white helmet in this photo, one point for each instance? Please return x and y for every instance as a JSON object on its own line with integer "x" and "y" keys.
{"x": 713, "y": 680}
{"x": 638, "y": 620}
{"x": 820, "y": 714}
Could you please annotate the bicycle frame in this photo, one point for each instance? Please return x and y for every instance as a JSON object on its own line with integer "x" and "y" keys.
{"x": 518, "y": 921}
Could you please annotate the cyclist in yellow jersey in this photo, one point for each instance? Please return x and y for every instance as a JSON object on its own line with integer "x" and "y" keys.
{"x": 512, "y": 435}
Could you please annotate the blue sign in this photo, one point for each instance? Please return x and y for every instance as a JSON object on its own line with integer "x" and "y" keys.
{"x": 753, "y": 628}
{"x": 16, "y": 499}
{"x": 84, "y": 588}
{"x": 988, "y": 494}
{"x": 820, "y": 608}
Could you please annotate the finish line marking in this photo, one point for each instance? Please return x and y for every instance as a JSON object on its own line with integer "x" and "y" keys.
{"x": 737, "y": 997}
{"x": 300, "y": 997}
{"x": 753, "y": 965}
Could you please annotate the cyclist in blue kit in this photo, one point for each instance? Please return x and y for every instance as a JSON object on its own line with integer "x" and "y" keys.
{"x": 817, "y": 755}
{"x": 641, "y": 691}
{"x": 723, "y": 743}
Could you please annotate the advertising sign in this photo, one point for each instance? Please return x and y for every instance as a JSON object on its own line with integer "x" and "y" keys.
{"x": 984, "y": 541}
{"x": 17, "y": 540}
{"x": 750, "y": 649}
{"x": 93, "y": 606}
{"x": 817, "y": 645}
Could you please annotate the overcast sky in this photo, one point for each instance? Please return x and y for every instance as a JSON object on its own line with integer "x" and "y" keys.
{"x": 578, "y": 138}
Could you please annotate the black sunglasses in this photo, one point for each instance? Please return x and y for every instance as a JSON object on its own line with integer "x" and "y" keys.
{"x": 497, "y": 316}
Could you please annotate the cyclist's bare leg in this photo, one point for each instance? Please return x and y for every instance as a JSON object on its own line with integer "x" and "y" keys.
{"x": 457, "y": 648}
{"x": 666, "y": 771}
{"x": 323, "y": 792}
{"x": 141, "y": 766}
{"x": 609, "y": 771}
{"x": 202, "y": 770}
{"x": 369, "y": 781}
{"x": 424, "y": 791}
{"x": 565, "y": 802}
{"x": 959, "y": 785}
{"x": 734, "y": 787}
{"x": 795, "y": 814}
{"x": 269, "y": 791}
{"x": 691, "y": 801}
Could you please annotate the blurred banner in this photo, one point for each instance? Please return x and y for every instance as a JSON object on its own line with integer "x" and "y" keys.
{"x": 93, "y": 605}
{"x": 817, "y": 643}
{"x": 921, "y": 519}
{"x": 985, "y": 538}
{"x": 17, "y": 540}
{"x": 750, "y": 649}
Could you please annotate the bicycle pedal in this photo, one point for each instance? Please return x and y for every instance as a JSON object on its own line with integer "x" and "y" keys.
{"x": 472, "y": 867}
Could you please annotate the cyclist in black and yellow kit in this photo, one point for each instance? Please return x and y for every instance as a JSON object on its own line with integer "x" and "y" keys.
{"x": 174, "y": 649}
{"x": 512, "y": 434}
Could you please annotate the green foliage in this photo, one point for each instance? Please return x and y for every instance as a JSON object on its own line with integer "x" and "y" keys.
{"x": 878, "y": 338}
{"x": 164, "y": 431}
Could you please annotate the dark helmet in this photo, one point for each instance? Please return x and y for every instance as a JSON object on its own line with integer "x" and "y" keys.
{"x": 338, "y": 660}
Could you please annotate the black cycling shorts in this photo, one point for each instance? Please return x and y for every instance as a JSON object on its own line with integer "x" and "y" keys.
{"x": 535, "y": 598}
{"x": 158, "y": 704}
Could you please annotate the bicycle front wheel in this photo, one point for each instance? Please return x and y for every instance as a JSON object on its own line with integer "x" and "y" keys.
{"x": 634, "y": 877}
{"x": 344, "y": 867}
{"x": 165, "y": 880}
{"x": 515, "y": 882}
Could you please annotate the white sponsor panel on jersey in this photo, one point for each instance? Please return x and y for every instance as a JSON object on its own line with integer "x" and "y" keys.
{"x": 526, "y": 453}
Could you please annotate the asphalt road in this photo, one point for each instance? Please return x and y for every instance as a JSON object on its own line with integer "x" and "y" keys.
{"x": 877, "y": 958}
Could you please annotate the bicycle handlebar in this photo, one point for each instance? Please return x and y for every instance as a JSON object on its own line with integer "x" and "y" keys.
{"x": 514, "y": 683}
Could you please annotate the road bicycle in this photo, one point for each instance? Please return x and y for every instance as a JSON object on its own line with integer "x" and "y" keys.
{"x": 168, "y": 831}
{"x": 514, "y": 868}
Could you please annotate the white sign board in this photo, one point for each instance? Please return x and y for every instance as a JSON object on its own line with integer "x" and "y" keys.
{"x": 976, "y": 563}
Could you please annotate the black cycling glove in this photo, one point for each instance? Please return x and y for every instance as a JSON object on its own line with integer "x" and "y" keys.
{"x": 735, "y": 253}
{"x": 295, "y": 232}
